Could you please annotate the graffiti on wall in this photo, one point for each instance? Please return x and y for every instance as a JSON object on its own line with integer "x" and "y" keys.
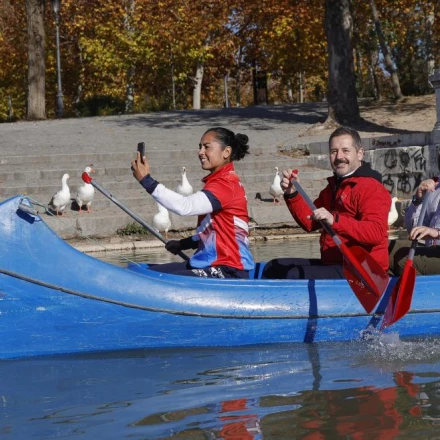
{"x": 404, "y": 168}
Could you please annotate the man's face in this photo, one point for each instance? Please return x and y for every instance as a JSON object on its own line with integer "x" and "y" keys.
{"x": 344, "y": 159}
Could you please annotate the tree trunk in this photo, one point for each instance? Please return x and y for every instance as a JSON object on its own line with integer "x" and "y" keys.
{"x": 358, "y": 74}
{"x": 36, "y": 97}
{"x": 10, "y": 109}
{"x": 375, "y": 80}
{"x": 197, "y": 91}
{"x": 301, "y": 87}
{"x": 430, "y": 61}
{"x": 225, "y": 87}
{"x": 238, "y": 88}
{"x": 289, "y": 91}
{"x": 173, "y": 83}
{"x": 129, "y": 90}
{"x": 389, "y": 64}
{"x": 238, "y": 78}
{"x": 79, "y": 89}
{"x": 342, "y": 99}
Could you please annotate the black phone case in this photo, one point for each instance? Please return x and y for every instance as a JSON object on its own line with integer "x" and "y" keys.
{"x": 141, "y": 148}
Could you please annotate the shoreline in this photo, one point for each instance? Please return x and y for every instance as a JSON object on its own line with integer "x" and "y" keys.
{"x": 91, "y": 245}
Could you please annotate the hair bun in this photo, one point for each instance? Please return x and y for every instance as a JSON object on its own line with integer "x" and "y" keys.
{"x": 242, "y": 138}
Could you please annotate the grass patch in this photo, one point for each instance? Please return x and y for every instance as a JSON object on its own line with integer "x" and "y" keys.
{"x": 132, "y": 229}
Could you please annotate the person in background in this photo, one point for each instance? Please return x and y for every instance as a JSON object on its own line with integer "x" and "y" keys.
{"x": 222, "y": 235}
{"x": 426, "y": 259}
{"x": 354, "y": 203}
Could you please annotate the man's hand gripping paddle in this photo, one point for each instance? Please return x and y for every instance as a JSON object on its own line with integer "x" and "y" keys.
{"x": 366, "y": 277}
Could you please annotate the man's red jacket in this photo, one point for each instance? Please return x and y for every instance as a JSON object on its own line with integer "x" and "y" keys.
{"x": 360, "y": 205}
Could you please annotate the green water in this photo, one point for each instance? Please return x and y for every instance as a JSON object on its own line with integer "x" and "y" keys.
{"x": 262, "y": 251}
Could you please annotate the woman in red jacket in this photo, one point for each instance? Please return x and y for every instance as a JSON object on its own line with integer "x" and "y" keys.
{"x": 221, "y": 238}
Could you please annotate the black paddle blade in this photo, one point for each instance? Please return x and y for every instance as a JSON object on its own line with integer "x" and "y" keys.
{"x": 365, "y": 275}
{"x": 401, "y": 297}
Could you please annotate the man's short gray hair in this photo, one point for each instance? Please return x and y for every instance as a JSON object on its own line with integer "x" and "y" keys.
{"x": 340, "y": 131}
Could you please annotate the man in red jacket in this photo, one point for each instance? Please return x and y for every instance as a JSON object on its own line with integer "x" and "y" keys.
{"x": 354, "y": 203}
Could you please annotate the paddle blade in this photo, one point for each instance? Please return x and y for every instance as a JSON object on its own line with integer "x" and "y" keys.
{"x": 401, "y": 296}
{"x": 365, "y": 275}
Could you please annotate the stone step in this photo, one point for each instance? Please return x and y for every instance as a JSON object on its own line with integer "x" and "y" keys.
{"x": 50, "y": 187}
{"x": 108, "y": 143}
{"x": 87, "y": 156}
{"x": 10, "y": 173}
{"x": 137, "y": 198}
{"x": 311, "y": 177}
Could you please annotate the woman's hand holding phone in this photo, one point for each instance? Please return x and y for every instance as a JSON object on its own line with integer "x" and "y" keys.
{"x": 140, "y": 166}
{"x": 141, "y": 150}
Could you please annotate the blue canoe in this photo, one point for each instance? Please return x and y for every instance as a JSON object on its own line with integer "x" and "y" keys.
{"x": 54, "y": 300}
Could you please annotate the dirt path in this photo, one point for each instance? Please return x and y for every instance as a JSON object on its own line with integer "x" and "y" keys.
{"x": 412, "y": 114}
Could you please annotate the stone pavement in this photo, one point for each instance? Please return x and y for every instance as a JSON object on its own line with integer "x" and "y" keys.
{"x": 35, "y": 155}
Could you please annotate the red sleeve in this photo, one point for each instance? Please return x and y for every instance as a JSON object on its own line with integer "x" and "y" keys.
{"x": 300, "y": 210}
{"x": 372, "y": 203}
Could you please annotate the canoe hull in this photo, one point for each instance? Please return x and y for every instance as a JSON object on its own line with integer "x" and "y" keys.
{"x": 54, "y": 300}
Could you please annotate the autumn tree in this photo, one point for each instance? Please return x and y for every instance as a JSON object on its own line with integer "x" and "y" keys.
{"x": 141, "y": 55}
{"x": 414, "y": 48}
{"x": 13, "y": 55}
{"x": 389, "y": 63}
{"x": 410, "y": 35}
{"x": 294, "y": 44}
{"x": 342, "y": 97}
{"x": 207, "y": 31}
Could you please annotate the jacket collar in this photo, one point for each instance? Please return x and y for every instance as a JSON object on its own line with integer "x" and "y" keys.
{"x": 364, "y": 170}
{"x": 229, "y": 167}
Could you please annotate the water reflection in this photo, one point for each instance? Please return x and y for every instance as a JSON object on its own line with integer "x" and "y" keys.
{"x": 296, "y": 391}
{"x": 303, "y": 246}
{"x": 306, "y": 247}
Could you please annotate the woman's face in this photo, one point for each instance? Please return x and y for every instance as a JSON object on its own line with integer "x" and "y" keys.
{"x": 211, "y": 155}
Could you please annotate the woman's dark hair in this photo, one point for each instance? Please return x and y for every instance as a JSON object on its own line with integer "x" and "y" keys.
{"x": 237, "y": 141}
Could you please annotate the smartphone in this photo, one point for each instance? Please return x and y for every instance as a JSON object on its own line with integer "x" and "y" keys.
{"x": 141, "y": 148}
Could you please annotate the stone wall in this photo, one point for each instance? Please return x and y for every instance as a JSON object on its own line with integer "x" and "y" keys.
{"x": 403, "y": 160}
{"x": 403, "y": 168}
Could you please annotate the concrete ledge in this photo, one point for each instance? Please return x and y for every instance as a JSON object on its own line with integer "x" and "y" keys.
{"x": 374, "y": 143}
{"x": 94, "y": 246}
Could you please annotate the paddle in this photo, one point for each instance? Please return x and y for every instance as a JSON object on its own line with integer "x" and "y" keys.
{"x": 88, "y": 179}
{"x": 402, "y": 293}
{"x": 364, "y": 274}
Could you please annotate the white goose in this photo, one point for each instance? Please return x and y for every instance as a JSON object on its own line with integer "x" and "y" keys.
{"x": 185, "y": 187}
{"x": 275, "y": 189}
{"x": 86, "y": 192}
{"x": 60, "y": 199}
{"x": 393, "y": 215}
{"x": 161, "y": 220}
